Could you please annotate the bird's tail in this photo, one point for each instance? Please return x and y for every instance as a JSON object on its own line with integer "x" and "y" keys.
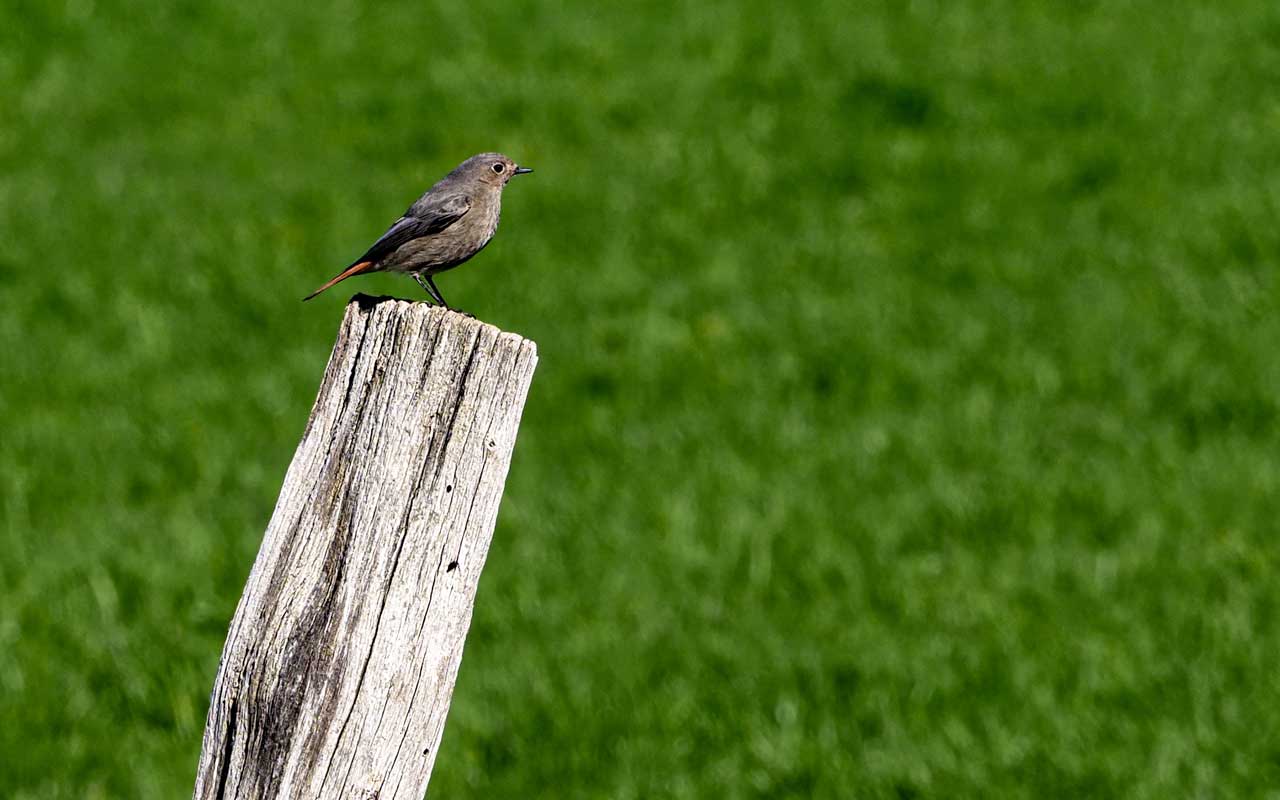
{"x": 354, "y": 269}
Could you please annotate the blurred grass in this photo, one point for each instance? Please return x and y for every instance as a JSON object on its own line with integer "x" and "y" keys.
{"x": 906, "y": 424}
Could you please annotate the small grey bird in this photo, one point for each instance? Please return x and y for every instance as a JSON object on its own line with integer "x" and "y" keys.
{"x": 449, "y": 224}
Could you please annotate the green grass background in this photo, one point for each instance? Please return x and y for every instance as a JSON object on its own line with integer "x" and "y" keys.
{"x": 906, "y": 421}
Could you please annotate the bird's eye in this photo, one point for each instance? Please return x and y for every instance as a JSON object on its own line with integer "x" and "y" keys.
{"x": 499, "y": 167}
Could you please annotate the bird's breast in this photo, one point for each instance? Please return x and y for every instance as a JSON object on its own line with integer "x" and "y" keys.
{"x": 450, "y": 247}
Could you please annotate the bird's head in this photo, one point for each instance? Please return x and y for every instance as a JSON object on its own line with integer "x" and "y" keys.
{"x": 494, "y": 169}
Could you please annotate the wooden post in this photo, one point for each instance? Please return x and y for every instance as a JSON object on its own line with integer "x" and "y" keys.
{"x": 341, "y": 658}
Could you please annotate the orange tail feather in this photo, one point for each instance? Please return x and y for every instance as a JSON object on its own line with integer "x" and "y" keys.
{"x": 355, "y": 269}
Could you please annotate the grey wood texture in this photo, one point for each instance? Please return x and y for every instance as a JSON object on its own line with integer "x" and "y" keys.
{"x": 341, "y": 659}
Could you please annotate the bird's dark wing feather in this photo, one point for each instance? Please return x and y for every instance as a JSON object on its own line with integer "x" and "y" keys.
{"x": 422, "y": 219}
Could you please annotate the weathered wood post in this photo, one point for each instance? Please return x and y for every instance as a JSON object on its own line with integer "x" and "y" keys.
{"x": 341, "y": 658}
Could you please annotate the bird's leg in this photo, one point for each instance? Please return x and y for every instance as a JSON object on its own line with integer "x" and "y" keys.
{"x": 429, "y": 288}
{"x": 436, "y": 293}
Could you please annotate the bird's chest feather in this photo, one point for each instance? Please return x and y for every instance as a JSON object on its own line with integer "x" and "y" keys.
{"x": 492, "y": 212}
{"x": 453, "y": 245}
{"x": 479, "y": 225}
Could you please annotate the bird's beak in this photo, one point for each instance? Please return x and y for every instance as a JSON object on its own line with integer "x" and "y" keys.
{"x": 522, "y": 170}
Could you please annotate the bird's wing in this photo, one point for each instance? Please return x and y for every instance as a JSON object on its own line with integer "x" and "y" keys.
{"x": 422, "y": 219}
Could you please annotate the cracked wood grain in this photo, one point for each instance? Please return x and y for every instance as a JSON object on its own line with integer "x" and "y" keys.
{"x": 341, "y": 658}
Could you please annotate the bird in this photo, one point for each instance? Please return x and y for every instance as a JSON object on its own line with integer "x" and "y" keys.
{"x": 450, "y": 223}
